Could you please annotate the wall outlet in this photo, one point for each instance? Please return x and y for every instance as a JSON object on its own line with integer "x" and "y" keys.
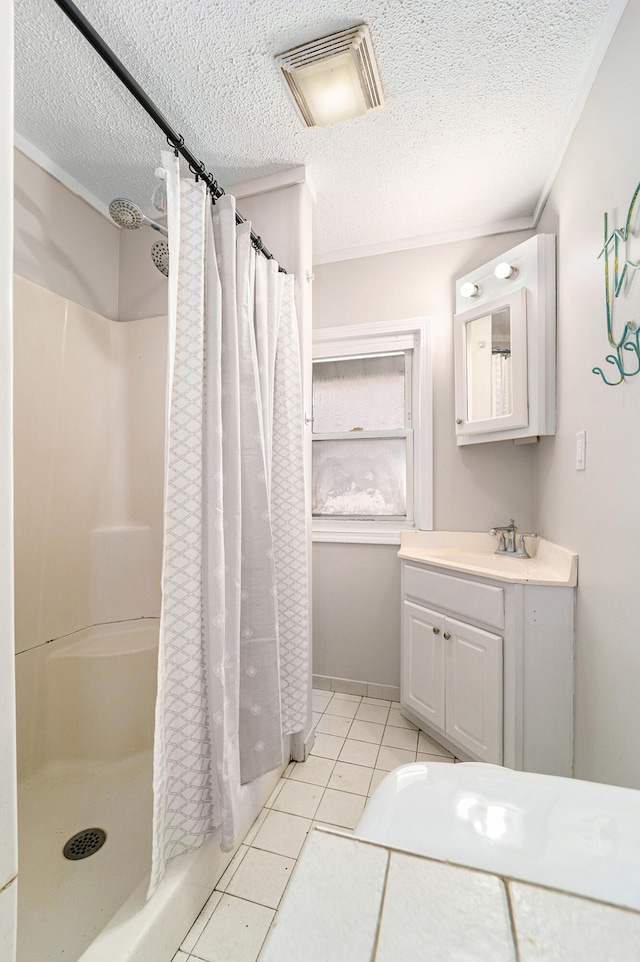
{"x": 581, "y": 450}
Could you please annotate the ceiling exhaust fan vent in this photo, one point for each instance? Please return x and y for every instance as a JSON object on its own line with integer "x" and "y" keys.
{"x": 333, "y": 78}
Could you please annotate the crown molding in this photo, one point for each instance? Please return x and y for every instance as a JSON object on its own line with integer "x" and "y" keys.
{"x": 270, "y": 182}
{"x": 425, "y": 240}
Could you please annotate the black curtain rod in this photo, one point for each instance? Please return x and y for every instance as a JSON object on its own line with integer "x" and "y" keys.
{"x": 174, "y": 139}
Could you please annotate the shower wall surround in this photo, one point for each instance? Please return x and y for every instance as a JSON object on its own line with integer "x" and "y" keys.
{"x": 88, "y": 425}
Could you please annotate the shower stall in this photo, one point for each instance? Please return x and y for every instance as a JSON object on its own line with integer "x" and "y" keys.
{"x": 87, "y": 543}
{"x": 89, "y": 463}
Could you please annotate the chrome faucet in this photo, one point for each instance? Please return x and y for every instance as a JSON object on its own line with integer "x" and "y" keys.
{"x": 509, "y": 529}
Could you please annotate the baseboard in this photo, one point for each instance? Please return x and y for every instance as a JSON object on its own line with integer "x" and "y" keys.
{"x": 347, "y": 686}
{"x": 301, "y": 745}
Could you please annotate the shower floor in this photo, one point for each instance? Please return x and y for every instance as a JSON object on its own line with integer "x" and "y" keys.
{"x": 64, "y": 904}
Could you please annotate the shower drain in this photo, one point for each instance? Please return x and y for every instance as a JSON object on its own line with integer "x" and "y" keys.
{"x": 84, "y": 843}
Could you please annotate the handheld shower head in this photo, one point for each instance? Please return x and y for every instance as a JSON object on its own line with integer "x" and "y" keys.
{"x": 126, "y": 214}
{"x": 160, "y": 256}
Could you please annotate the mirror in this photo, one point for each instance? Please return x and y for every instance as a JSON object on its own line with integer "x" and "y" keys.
{"x": 488, "y": 369}
{"x": 491, "y": 366}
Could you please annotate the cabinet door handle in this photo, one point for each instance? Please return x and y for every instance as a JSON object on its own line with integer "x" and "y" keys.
{"x": 436, "y": 631}
{"x": 447, "y": 635}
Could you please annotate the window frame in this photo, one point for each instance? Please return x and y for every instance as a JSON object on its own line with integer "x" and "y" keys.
{"x": 385, "y": 337}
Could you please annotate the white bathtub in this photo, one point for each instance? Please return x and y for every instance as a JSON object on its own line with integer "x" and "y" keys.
{"x": 85, "y": 738}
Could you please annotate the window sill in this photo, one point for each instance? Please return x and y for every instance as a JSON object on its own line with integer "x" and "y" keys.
{"x": 359, "y": 532}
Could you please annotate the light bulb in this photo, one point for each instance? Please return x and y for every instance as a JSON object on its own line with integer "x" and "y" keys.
{"x": 469, "y": 290}
{"x": 504, "y": 271}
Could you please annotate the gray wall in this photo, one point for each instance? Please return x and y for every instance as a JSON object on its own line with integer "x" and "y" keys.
{"x": 66, "y": 246}
{"x": 142, "y": 289}
{"x": 356, "y": 612}
{"x": 62, "y": 243}
{"x": 596, "y": 512}
{"x": 356, "y": 623}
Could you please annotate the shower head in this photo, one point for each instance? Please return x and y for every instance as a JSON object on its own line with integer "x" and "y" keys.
{"x": 128, "y": 215}
{"x": 160, "y": 256}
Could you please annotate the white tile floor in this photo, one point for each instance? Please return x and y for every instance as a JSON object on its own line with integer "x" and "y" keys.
{"x": 358, "y": 740}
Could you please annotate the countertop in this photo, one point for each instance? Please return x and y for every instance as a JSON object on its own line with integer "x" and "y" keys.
{"x": 473, "y": 552}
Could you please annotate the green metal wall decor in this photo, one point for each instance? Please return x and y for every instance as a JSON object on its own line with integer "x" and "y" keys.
{"x": 624, "y": 364}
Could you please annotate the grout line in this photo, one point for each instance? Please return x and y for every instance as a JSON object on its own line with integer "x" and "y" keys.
{"x": 243, "y": 898}
{"x": 236, "y": 867}
{"x": 192, "y": 955}
{"x": 512, "y": 920}
{"x": 381, "y": 909}
{"x": 264, "y": 941}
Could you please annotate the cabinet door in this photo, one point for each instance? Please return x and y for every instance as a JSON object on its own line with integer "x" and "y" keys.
{"x": 423, "y": 663}
{"x": 474, "y": 690}
{"x": 490, "y": 341}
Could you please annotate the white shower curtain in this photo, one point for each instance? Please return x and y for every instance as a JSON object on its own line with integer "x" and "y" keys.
{"x": 234, "y": 635}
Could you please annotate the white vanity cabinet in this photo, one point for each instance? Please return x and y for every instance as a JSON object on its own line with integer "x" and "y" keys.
{"x": 488, "y": 667}
{"x": 452, "y": 676}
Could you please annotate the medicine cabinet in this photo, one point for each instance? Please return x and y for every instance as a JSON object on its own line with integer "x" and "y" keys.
{"x": 504, "y": 344}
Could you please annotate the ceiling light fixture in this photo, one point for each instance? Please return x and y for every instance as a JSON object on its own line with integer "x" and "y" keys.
{"x": 334, "y": 78}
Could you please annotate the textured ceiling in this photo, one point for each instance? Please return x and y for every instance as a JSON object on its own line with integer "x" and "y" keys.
{"x": 481, "y": 96}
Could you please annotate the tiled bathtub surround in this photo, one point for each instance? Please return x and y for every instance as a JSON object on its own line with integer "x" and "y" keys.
{"x": 358, "y": 739}
{"x": 356, "y": 901}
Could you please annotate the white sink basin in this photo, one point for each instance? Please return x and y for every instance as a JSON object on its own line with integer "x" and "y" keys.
{"x": 474, "y": 553}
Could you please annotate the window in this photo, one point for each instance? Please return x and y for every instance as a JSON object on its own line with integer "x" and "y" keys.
{"x": 371, "y": 438}
{"x": 362, "y": 437}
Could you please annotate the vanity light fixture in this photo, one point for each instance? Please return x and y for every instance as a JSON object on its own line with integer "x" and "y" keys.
{"x": 504, "y": 271}
{"x": 469, "y": 290}
{"x": 334, "y": 78}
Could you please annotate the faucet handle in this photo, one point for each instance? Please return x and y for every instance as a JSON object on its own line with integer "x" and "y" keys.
{"x": 502, "y": 548}
{"x": 522, "y": 551}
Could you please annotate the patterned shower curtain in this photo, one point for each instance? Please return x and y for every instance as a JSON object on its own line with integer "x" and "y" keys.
{"x": 234, "y": 634}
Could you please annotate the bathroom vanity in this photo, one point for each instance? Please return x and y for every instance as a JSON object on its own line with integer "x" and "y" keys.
{"x": 488, "y": 648}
